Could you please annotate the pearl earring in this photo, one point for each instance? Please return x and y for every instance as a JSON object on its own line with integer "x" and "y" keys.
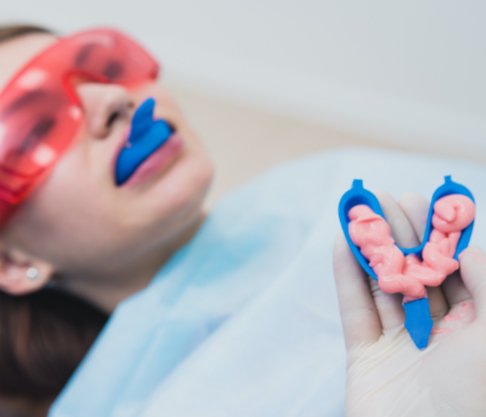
{"x": 32, "y": 273}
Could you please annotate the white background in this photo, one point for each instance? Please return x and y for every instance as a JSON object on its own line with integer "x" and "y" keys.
{"x": 406, "y": 71}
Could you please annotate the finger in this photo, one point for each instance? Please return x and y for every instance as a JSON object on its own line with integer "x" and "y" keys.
{"x": 359, "y": 316}
{"x": 389, "y": 306}
{"x": 473, "y": 271}
{"x": 416, "y": 209}
{"x": 403, "y": 231}
{"x": 454, "y": 290}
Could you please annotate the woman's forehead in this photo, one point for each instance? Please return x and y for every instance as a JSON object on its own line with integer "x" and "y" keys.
{"x": 16, "y": 52}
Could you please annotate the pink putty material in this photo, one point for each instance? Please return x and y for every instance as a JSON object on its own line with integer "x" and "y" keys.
{"x": 409, "y": 275}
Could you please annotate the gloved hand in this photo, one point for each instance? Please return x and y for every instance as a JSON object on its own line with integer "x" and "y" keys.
{"x": 387, "y": 375}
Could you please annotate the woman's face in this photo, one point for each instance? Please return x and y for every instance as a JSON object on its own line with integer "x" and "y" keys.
{"x": 78, "y": 219}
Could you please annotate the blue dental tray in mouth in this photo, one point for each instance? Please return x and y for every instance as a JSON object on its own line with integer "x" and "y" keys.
{"x": 146, "y": 136}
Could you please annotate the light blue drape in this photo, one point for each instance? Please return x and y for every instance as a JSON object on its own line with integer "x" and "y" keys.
{"x": 243, "y": 321}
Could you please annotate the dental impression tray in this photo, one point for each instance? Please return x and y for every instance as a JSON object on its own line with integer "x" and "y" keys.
{"x": 415, "y": 261}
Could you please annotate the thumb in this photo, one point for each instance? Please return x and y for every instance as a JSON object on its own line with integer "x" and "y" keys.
{"x": 473, "y": 273}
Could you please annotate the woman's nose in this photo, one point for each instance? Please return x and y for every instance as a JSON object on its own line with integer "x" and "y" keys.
{"x": 103, "y": 105}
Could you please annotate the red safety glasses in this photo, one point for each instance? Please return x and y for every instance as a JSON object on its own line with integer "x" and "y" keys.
{"x": 40, "y": 111}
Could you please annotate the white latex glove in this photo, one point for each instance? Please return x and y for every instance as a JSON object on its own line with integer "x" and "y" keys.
{"x": 387, "y": 374}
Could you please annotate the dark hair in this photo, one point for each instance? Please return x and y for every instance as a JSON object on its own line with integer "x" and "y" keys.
{"x": 43, "y": 336}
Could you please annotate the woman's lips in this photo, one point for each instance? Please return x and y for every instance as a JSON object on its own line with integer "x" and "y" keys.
{"x": 158, "y": 161}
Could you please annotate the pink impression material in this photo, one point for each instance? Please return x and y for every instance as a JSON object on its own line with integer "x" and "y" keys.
{"x": 408, "y": 275}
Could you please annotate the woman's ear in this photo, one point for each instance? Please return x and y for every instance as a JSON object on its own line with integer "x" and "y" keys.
{"x": 21, "y": 274}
